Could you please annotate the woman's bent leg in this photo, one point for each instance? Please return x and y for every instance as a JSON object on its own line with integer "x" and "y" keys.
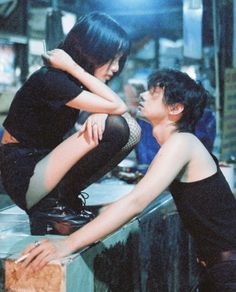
{"x": 134, "y": 137}
{"x": 51, "y": 169}
{"x": 50, "y": 215}
{"x": 46, "y": 177}
{"x": 98, "y": 161}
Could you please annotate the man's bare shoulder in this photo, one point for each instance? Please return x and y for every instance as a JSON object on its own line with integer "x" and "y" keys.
{"x": 182, "y": 138}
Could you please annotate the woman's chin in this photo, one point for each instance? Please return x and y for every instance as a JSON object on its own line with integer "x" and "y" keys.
{"x": 102, "y": 79}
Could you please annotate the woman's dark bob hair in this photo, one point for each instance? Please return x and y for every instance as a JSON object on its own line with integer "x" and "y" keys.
{"x": 95, "y": 40}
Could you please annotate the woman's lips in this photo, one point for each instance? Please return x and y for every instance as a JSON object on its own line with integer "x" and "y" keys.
{"x": 109, "y": 76}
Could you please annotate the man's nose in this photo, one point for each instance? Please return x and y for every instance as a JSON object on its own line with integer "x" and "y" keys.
{"x": 143, "y": 95}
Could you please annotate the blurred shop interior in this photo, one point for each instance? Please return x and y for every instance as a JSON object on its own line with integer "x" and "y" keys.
{"x": 195, "y": 36}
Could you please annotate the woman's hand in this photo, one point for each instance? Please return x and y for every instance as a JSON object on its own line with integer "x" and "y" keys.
{"x": 95, "y": 126}
{"x": 59, "y": 59}
{"x": 40, "y": 253}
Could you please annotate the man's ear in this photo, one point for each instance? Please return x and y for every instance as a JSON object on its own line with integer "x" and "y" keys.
{"x": 176, "y": 109}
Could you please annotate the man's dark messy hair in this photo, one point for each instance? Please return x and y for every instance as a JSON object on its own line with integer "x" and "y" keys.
{"x": 180, "y": 88}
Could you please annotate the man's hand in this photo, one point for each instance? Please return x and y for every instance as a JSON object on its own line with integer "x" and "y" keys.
{"x": 38, "y": 254}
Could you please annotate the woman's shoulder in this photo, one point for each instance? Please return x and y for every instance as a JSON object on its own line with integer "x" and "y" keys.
{"x": 50, "y": 75}
{"x": 47, "y": 70}
{"x": 44, "y": 72}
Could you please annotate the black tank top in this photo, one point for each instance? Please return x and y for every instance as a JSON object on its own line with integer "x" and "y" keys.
{"x": 208, "y": 210}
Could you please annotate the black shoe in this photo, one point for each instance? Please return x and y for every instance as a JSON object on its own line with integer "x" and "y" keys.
{"x": 53, "y": 216}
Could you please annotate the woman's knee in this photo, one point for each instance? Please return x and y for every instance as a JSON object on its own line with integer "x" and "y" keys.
{"x": 116, "y": 130}
{"x": 134, "y": 133}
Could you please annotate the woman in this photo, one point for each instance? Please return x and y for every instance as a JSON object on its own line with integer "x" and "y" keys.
{"x": 43, "y": 171}
{"x": 173, "y": 105}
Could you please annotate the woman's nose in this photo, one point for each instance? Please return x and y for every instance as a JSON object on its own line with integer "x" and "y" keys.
{"x": 115, "y": 66}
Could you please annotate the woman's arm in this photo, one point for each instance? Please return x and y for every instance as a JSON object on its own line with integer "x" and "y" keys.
{"x": 165, "y": 167}
{"x": 102, "y": 99}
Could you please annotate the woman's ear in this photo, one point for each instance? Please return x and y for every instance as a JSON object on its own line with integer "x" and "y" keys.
{"x": 176, "y": 109}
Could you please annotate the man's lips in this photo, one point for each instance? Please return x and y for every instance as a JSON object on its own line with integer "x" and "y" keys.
{"x": 140, "y": 104}
{"x": 141, "y": 101}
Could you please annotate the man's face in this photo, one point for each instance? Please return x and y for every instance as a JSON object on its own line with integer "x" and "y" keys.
{"x": 151, "y": 106}
{"x": 108, "y": 70}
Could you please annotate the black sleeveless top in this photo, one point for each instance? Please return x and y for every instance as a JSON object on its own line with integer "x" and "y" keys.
{"x": 208, "y": 210}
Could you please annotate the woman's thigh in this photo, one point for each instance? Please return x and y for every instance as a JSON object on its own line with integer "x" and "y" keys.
{"x": 52, "y": 168}
{"x": 98, "y": 161}
{"x": 68, "y": 168}
{"x": 17, "y": 167}
{"x": 29, "y": 174}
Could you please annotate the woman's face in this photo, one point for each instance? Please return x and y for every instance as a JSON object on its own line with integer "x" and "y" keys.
{"x": 108, "y": 70}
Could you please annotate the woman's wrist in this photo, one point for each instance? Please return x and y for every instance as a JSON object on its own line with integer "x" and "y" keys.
{"x": 75, "y": 69}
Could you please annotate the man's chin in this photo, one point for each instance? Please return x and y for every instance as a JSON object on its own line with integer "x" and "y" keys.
{"x": 140, "y": 115}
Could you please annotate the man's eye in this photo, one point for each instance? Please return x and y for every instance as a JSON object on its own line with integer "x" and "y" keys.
{"x": 152, "y": 90}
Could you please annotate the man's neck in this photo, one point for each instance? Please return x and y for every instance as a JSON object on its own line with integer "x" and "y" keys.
{"x": 163, "y": 132}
